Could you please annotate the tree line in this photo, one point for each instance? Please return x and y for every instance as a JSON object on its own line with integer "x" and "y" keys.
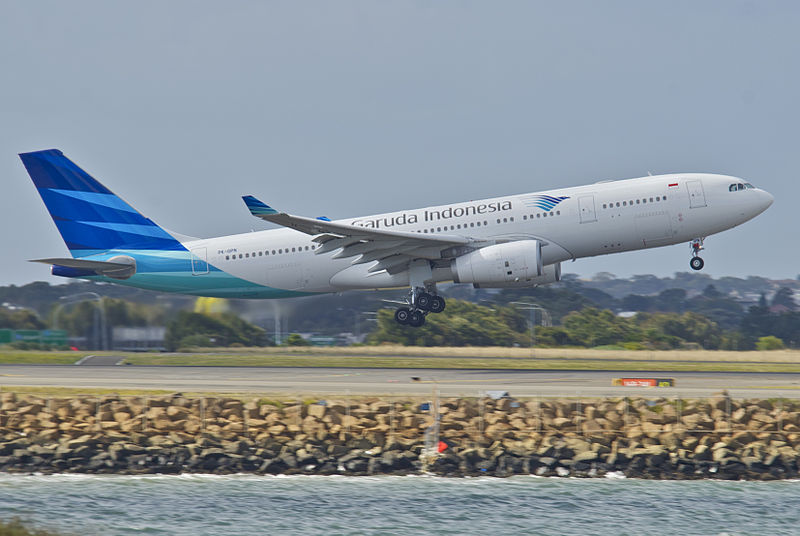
{"x": 582, "y": 316}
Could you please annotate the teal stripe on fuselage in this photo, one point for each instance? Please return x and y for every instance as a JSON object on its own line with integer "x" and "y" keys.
{"x": 171, "y": 271}
{"x": 214, "y": 284}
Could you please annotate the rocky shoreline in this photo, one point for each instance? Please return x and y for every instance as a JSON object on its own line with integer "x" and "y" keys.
{"x": 720, "y": 437}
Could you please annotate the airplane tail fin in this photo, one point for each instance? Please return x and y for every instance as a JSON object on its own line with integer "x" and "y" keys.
{"x": 89, "y": 216}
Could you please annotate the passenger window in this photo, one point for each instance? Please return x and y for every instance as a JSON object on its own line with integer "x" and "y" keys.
{"x": 658, "y": 198}
{"x": 624, "y": 203}
{"x": 551, "y": 213}
{"x": 539, "y": 215}
{"x": 227, "y": 257}
{"x": 637, "y": 201}
{"x": 664, "y": 198}
{"x": 240, "y": 255}
{"x": 544, "y": 214}
{"x": 651, "y": 199}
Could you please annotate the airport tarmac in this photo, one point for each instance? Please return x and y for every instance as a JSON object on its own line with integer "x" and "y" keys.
{"x": 395, "y": 382}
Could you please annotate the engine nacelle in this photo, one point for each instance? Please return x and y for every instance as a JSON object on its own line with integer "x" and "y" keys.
{"x": 513, "y": 262}
{"x": 550, "y": 274}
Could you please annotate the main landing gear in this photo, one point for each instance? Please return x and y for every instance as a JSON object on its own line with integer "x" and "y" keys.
{"x": 697, "y": 246}
{"x": 420, "y": 304}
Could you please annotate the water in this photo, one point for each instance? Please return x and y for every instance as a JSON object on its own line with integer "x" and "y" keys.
{"x": 306, "y": 505}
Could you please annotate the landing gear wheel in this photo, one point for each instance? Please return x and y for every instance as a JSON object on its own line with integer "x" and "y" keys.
{"x": 401, "y": 316}
{"x": 696, "y": 263}
{"x": 437, "y": 304}
{"x": 424, "y": 301}
{"x": 416, "y": 319}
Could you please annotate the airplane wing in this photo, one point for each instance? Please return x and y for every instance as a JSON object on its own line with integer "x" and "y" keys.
{"x": 391, "y": 250}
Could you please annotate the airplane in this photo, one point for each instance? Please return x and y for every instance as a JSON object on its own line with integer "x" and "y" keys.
{"x": 514, "y": 241}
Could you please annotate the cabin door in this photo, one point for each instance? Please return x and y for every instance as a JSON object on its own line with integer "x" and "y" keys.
{"x": 586, "y": 208}
{"x": 697, "y": 198}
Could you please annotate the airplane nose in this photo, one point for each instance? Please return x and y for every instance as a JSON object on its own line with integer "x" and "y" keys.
{"x": 765, "y": 200}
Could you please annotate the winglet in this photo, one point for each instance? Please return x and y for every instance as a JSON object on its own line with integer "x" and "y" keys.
{"x": 258, "y": 208}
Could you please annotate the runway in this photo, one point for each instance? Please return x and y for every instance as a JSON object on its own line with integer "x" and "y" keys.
{"x": 394, "y": 382}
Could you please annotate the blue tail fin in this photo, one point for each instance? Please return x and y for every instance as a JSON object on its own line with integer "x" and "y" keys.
{"x": 90, "y": 218}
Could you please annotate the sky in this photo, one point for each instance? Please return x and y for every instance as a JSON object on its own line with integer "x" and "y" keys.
{"x": 351, "y": 108}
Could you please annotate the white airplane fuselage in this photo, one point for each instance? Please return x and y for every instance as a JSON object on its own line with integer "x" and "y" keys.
{"x": 511, "y": 241}
{"x": 598, "y": 219}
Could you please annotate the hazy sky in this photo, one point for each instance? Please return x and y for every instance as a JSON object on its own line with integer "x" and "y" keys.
{"x": 349, "y": 108}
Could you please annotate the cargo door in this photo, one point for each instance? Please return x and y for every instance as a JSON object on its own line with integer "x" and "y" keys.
{"x": 199, "y": 261}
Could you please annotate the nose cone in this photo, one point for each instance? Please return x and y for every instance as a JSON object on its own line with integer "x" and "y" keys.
{"x": 765, "y": 200}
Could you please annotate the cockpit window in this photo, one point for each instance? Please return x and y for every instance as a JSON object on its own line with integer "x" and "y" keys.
{"x": 735, "y": 187}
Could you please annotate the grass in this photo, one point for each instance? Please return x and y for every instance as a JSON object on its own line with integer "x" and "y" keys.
{"x": 34, "y": 357}
{"x": 436, "y": 358}
{"x": 517, "y": 353}
{"x": 457, "y": 363}
{"x": 277, "y": 399}
{"x": 75, "y": 391}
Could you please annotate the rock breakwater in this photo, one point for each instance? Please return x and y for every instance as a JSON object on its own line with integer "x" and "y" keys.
{"x": 647, "y": 438}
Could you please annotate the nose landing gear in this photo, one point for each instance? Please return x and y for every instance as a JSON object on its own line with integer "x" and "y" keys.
{"x": 696, "y": 263}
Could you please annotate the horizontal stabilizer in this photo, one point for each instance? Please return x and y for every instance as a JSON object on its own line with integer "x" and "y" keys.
{"x": 121, "y": 267}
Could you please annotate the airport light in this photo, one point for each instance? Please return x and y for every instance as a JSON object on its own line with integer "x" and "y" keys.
{"x": 99, "y": 320}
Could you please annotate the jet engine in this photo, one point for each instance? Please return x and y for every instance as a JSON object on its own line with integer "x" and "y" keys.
{"x": 551, "y": 273}
{"x": 517, "y": 264}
